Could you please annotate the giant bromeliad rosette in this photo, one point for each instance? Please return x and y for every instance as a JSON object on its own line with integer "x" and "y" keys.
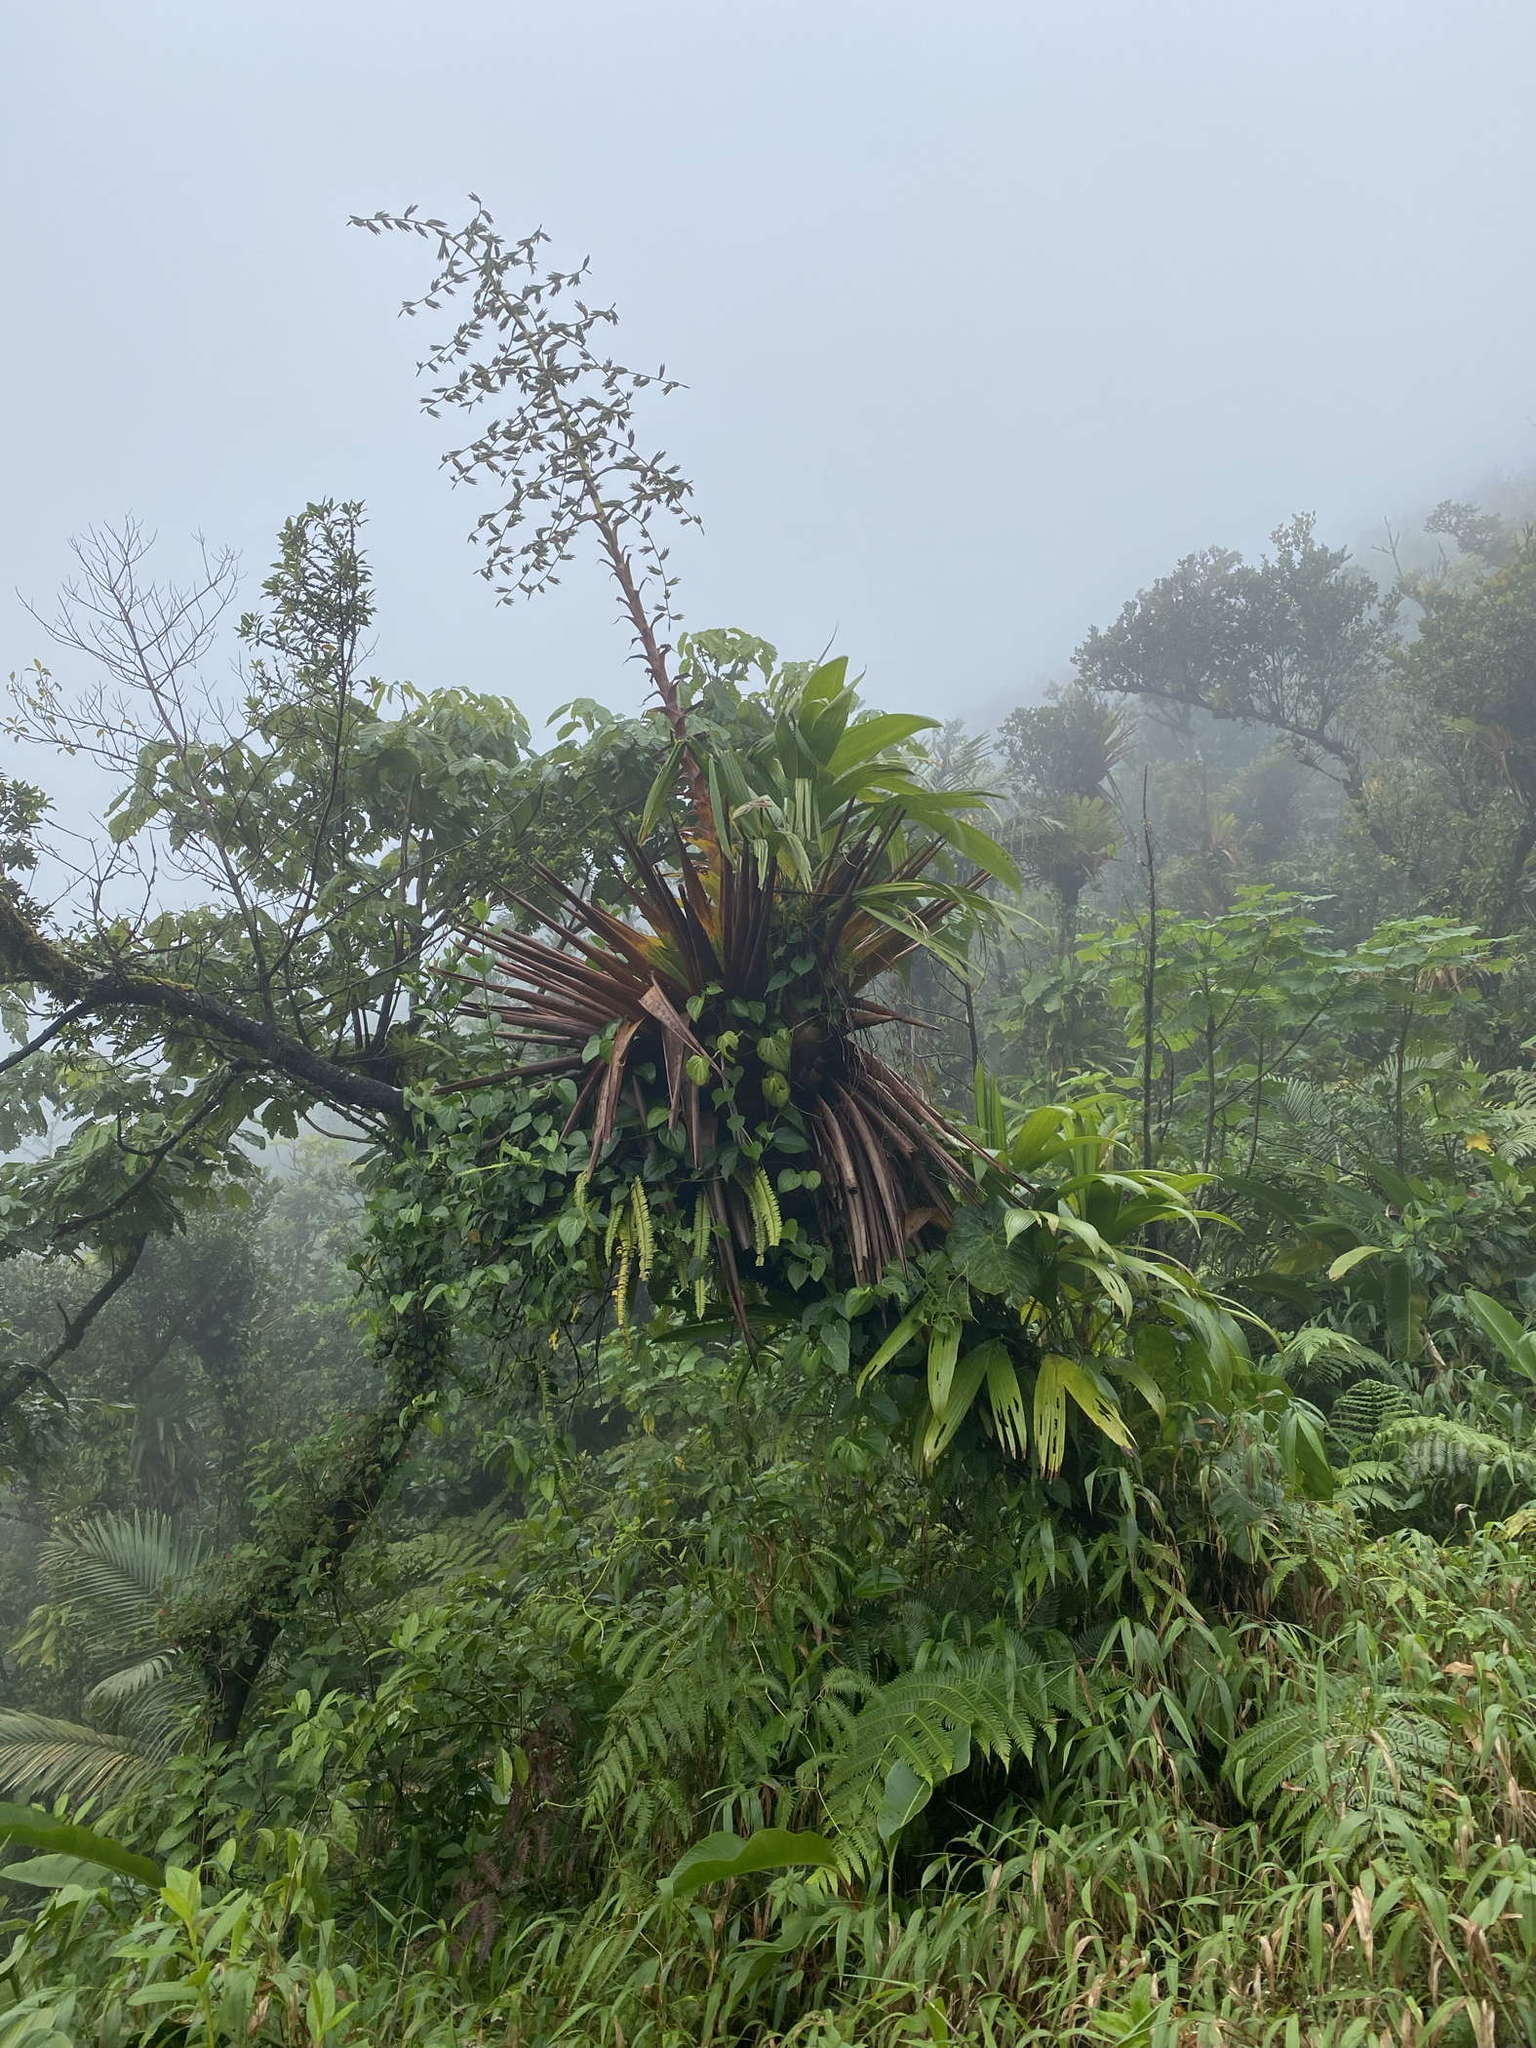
{"x": 770, "y": 884}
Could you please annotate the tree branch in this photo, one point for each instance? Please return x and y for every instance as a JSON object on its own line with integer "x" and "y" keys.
{"x": 26, "y": 1377}
{"x": 27, "y": 955}
{"x": 46, "y": 1036}
{"x": 157, "y": 1156}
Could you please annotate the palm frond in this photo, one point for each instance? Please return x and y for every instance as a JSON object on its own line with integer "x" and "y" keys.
{"x": 118, "y": 1568}
{"x": 113, "y": 1573}
{"x": 43, "y": 1759}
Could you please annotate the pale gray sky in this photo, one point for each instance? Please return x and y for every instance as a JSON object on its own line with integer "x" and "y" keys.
{"x": 988, "y": 310}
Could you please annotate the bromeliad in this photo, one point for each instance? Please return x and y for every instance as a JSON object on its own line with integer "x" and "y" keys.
{"x": 771, "y": 883}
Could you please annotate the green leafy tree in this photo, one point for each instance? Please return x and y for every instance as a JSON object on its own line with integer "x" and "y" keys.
{"x": 1414, "y": 704}
{"x": 329, "y": 833}
{"x": 1470, "y": 672}
{"x": 1297, "y": 641}
{"x": 1060, "y": 758}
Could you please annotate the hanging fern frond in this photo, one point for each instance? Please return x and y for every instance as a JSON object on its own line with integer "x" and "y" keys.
{"x": 1311, "y": 1112}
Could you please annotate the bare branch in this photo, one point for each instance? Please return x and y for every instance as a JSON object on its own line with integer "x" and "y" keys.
{"x": 46, "y": 1036}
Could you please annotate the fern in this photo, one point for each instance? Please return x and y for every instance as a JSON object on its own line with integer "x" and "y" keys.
{"x": 1512, "y": 1121}
{"x": 692, "y": 1715}
{"x": 922, "y": 1728}
{"x": 397, "y": 1576}
{"x": 1352, "y": 1760}
{"x": 1317, "y": 1353}
{"x": 1437, "y": 1454}
{"x": 1363, "y": 1410}
{"x": 1372, "y": 1483}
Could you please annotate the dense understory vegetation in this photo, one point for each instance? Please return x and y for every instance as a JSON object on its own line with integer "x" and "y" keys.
{"x": 773, "y": 1374}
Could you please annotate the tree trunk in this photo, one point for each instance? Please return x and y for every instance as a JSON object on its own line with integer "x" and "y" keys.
{"x": 233, "y": 1639}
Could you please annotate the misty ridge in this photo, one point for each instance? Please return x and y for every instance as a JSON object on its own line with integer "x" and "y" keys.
{"x": 812, "y": 1341}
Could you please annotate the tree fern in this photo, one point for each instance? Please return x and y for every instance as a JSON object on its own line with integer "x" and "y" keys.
{"x": 1438, "y": 1455}
{"x": 1364, "y": 1409}
{"x": 1318, "y": 1355}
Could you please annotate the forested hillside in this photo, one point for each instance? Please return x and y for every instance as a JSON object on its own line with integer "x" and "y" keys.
{"x": 767, "y": 1372}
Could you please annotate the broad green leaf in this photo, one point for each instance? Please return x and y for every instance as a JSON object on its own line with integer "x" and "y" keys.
{"x": 825, "y": 683}
{"x": 980, "y": 848}
{"x": 943, "y": 1350}
{"x": 1050, "y": 1414}
{"x": 1114, "y": 1284}
{"x": 1302, "y": 1450}
{"x": 871, "y": 736}
{"x": 170, "y": 1991}
{"x": 1347, "y": 1261}
{"x": 991, "y": 1112}
{"x": 1017, "y": 1221}
{"x": 1401, "y": 1306}
{"x": 937, "y": 1428}
{"x": 38, "y": 1830}
{"x": 1037, "y": 1138}
{"x": 1059, "y": 1379}
{"x": 897, "y": 1341}
{"x": 1515, "y": 1344}
{"x": 721, "y": 1857}
{"x": 1396, "y": 1187}
{"x": 1136, "y": 1376}
{"x": 905, "y": 1795}
{"x": 1006, "y": 1398}
{"x": 1074, "y": 1226}
{"x": 52, "y": 1873}
{"x": 980, "y": 1250}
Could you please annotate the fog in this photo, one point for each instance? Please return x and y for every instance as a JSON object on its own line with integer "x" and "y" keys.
{"x": 986, "y": 312}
